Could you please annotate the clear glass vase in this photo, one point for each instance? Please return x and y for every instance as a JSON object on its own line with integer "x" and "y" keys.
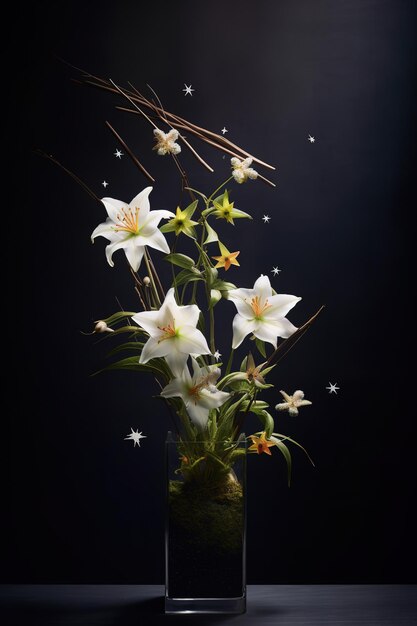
{"x": 205, "y": 556}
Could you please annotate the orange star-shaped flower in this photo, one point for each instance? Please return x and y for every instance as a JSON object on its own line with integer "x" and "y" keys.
{"x": 227, "y": 258}
{"x": 261, "y": 444}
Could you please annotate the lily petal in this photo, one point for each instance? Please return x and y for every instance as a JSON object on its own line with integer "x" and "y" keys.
{"x": 269, "y": 329}
{"x": 158, "y": 241}
{"x": 134, "y": 255}
{"x": 192, "y": 341}
{"x": 262, "y": 288}
{"x": 198, "y": 414}
{"x": 111, "y": 249}
{"x": 106, "y": 229}
{"x": 184, "y": 315}
{"x": 149, "y": 223}
{"x": 280, "y": 305}
{"x": 241, "y": 328}
{"x": 114, "y": 207}
{"x": 141, "y": 201}
{"x": 148, "y": 320}
{"x": 153, "y": 349}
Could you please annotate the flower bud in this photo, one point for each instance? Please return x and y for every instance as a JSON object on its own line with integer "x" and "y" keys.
{"x": 101, "y": 327}
{"x": 146, "y": 281}
{"x": 215, "y": 296}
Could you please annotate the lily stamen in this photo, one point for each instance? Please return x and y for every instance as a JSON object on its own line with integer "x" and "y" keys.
{"x": 168, "y": 332}
{"x": 128, "y": 221}
{"x": 258, "y": 307}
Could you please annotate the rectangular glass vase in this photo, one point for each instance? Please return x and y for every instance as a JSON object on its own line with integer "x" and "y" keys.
{"x": 205, "y": 535}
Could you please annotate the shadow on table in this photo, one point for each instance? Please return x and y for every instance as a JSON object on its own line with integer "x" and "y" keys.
{"x": 149, "y": 612}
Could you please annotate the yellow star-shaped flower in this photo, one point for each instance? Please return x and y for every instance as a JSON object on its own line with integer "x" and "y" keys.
{"x": 227, "y": 258}
{"x": 261, "y": 444}
{"x": 226, "y": 210}
{"x": 182, "y": 222}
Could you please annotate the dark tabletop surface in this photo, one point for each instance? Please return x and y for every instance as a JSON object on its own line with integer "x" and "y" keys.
{"x": 268, "y": 605}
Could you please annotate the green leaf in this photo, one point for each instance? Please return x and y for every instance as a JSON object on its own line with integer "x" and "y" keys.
{"x": 284, "y": 437}
{"x": 287, "y": 456}
{"x": 187, "y": 276}
{"x": 212, "y": 236}
{"x": 237, "y": 454}
{"x": 117, "y": 317}
{"x": 135, "y": 346}
{"x": 238, "y": 385}
{"x": 182, "y": 260}
{"x": 156, "y": 366}
{"x": 223, "y": 285}
{"x": 261, "y": 347}
{"x": 256, "y": 406}
{"x": 201, "y": 322}
{"x": 127, "y": 329}
{"x": 267, "y": 421}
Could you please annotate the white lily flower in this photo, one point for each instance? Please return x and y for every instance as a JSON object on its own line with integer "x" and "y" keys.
{"x": 131, "y": 227}
{"x": 261, "y": 313}
{"x": 165, "y": 142}
{"x": 292, "y": 403}
{"x": 198, "y": 392}
{"x": 173, "y": 333}
{"x": 242, "y": 170}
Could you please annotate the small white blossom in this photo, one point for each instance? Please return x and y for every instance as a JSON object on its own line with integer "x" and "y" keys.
{"x": 217, "y": 355}
{"x": 242, "y": 170}
{"x": 101, "y": 327}
{"x": 165, "y": 142}
{"x": 292, "y": 403}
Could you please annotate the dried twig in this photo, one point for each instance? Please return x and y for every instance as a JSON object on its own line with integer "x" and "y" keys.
{"x": 130, "y": 153}
{"x": 71, "y": 174}
{"x": 289, "y": 343}
{"x": 217, "y": 141}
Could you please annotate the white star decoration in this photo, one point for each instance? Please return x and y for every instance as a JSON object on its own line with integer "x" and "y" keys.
{"x": 105, "y": 184}
{"x": 217, "y": 355}
{"x": 118, "y": 154}
{"x": 266, "y": 219}
{"x": 332, "y": 388}
{"x": 311, "y": 139}
{"x": 224, "y": 130}
{"x": 188, "y": 90}
{"x": 275, "y": 271}
{"x": 135, "y": 436}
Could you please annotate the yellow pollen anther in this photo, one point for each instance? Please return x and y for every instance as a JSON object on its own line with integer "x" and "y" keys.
{"x": 258, "y": 307}
{"x": 168, "y": 332}
{"x": 128, "y": 221}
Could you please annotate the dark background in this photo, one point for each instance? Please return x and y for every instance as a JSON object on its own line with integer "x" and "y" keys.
{"x": 88, "y": 506}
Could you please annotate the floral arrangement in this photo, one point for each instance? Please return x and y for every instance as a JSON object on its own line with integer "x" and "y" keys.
{"x": 173, "y": 335}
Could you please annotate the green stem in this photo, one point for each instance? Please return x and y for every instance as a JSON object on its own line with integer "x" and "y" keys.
{"x": 151, "y": 277}
{"x": 194, "y": 292}
{"x": 174, "y": 247}
{"x": 218, "y": 189}
{"x": 229, "y": 363}
{"x": 212, "y": 338}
